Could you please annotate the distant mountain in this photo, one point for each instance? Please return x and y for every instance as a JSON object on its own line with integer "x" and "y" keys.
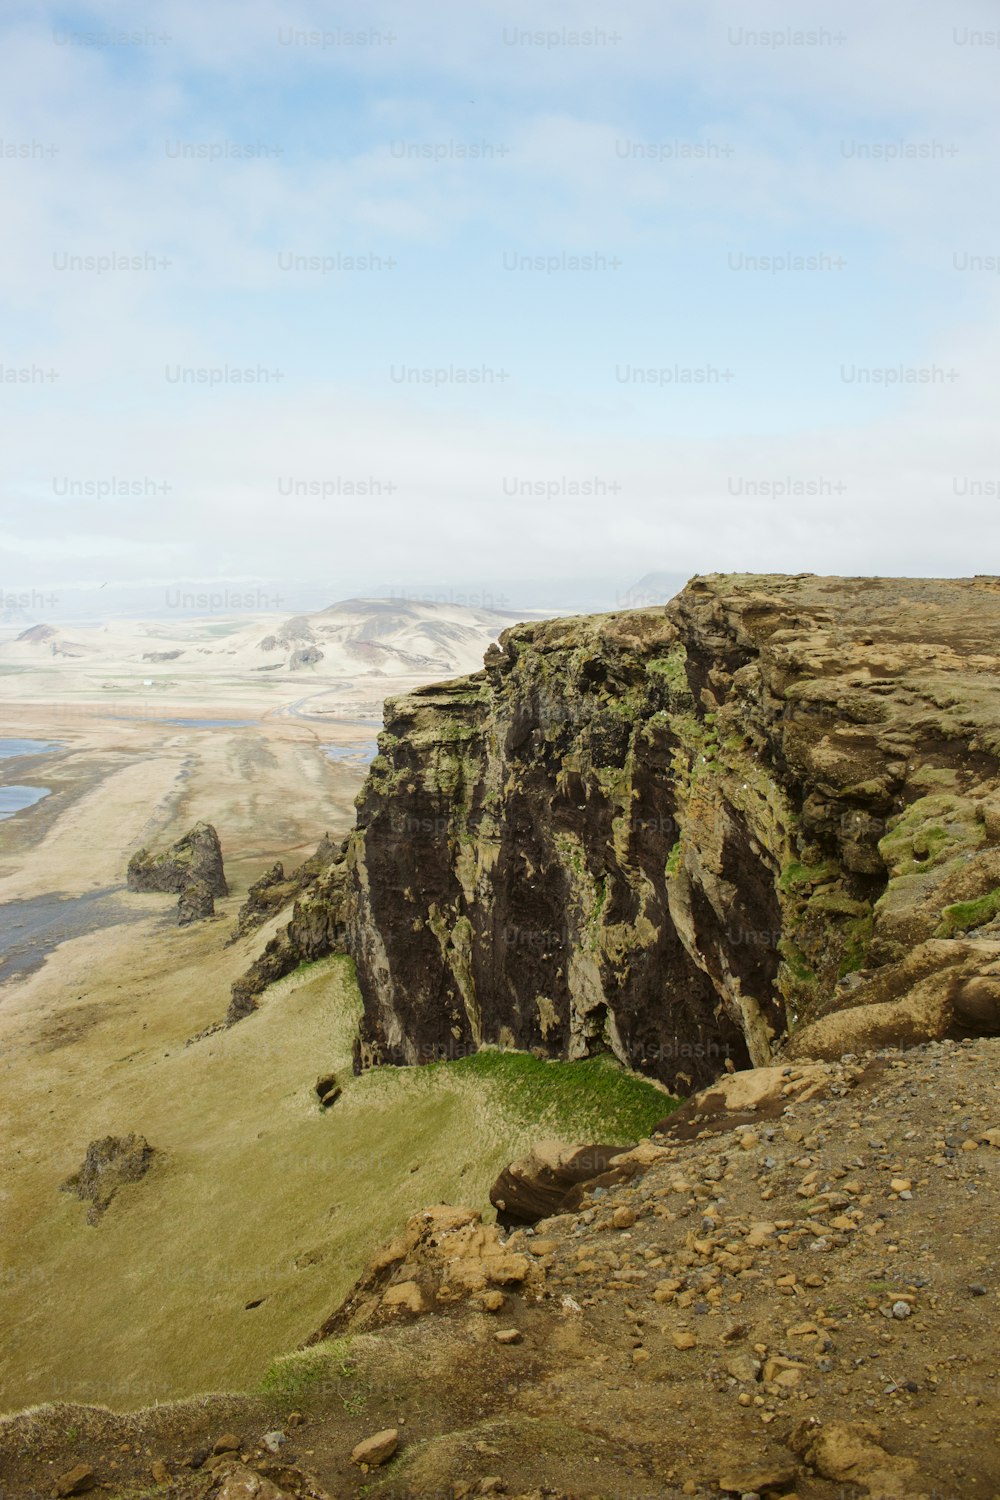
{"x": 354, "y": 638}
{"x": 386, "y": 637}
{"x": 43, "y": 639}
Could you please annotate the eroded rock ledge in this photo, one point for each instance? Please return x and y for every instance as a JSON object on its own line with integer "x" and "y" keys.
{"x": 681, "y": 833}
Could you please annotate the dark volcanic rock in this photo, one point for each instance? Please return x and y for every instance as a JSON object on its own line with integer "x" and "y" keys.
{"x": 196, "y": 856}
{"x": 274, "y": 889}
{"x": 195, "y": 904}
{"x": 109, "y": 1163}
{"x": 680, "y": 833}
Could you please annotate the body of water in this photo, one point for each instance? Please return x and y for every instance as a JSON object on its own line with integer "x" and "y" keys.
{"x": 364, "y": 753}
{"x": 25, "y": 747}
{"x": 210, "y": 723}
{"x": 29, "y": 930}
{"x": 13, "y": 798}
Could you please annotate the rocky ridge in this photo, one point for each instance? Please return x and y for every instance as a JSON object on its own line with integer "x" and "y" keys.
{"x": 770, "y": 809}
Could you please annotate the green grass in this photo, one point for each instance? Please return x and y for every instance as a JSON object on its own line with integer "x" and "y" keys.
{"x": 672, "y": 667}
{"x": 796, "y": 875}
{"x": 304, "y": 1372}
{"x": 674, "y": 859}
{"x": 236, "y": 1121}
{"x": 929, "y": 833}
{"x": 966, "y": 916}
{"x": 592, "y": 1099}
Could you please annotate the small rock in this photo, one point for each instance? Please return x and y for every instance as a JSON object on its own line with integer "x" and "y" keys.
{"x": 377, "y": 1449}
{"x": 977, "y": 1289}
{"x": 901, "y": 1184}
{"x": 159, "y": 1471}
{"x": 492, "y": 1301}
{"x": 623, "y": 1218}
{"x": 76, "y": 1481}
{"x": 242, "y": 1483}
{"x": 325, "y": 1083}
{"x": 508, "y": 1335}
{"x": 295, "y": 1419}
{"x": 273, "y": 1440}
{"x": 227, "y": 1443}
{"x": 684, "y": 1340}
{"x": 492, "y": 1484}
{"x": 901, "y": 1309}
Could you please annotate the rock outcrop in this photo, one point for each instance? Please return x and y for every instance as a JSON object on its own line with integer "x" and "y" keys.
{"x": 274, "y": 889}
{"x": 109, "y": 1163}
{"x": 195, "y": 857}
{"x": 683, "y": 833}
{"x": 195, "y": 903}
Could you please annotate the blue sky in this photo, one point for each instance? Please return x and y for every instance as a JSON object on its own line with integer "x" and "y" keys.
{"x": 680, "y": 147}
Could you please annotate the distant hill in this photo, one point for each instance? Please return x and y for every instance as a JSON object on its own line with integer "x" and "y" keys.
{"x": 355, "y": 637}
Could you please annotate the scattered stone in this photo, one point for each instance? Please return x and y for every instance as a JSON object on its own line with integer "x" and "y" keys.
{"x": 159, "y": 1471}
{"x": 623, "y": 1218}
{"x": 377, "y": 1449}
{"x": 273, "y": 1441}
{"x": 227, "y": 1443}
{"x": 684, "y": 1340}
{"x": 508, "y": 1335}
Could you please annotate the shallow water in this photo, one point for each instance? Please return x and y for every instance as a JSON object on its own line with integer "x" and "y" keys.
{"x": 9, "y": 747}
{"x": 31, "y": 929}
{"x": 13, "y": 798}
{"x": 210, "y": 723}
{"x": 366, "y": 752}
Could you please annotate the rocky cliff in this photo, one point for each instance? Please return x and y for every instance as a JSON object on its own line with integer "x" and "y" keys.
{"x": 683, "y": 833}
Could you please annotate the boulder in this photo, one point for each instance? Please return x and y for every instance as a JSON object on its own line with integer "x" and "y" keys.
{"x": 195, "y": 857}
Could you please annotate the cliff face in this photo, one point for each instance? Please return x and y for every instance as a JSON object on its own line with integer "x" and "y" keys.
{"x": 679, "y": 833}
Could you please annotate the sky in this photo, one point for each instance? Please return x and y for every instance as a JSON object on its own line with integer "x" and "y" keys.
{"x": 347, "y": 298}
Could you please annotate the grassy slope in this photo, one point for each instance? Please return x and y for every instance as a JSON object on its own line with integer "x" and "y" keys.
{"x": 258, "y": 1193}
